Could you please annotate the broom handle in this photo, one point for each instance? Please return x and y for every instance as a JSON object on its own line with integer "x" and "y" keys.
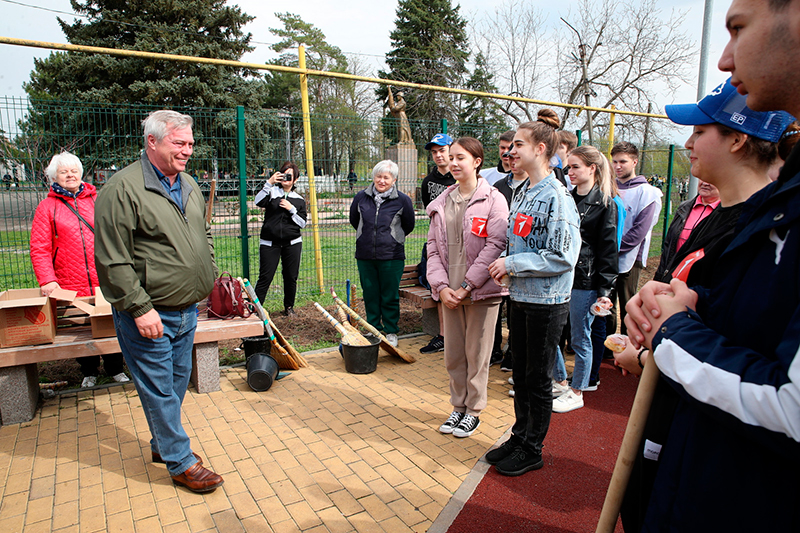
{"x": 332, "y": 320}
{"x": 629, "y": 447}
{"x": 363, "y": 323}
{"x": 260, "y": 311}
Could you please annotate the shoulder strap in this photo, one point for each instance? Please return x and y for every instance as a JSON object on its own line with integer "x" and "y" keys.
{"x": 66, "y": 203}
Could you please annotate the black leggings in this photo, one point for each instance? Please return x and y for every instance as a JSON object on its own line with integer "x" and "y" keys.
{"x": 268, "y": 264}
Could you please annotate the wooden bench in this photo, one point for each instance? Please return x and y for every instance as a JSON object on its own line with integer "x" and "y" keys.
{"x": 411, "y": 289}
{"x": 19, "y": 374}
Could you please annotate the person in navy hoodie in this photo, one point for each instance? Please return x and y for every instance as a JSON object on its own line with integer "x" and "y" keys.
{"x": 731, "y": 350}
{"x": 382, "y": 217}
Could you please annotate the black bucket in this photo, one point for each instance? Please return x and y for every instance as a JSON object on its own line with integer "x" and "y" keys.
{"x": 361, "y": 359}
{"x": 253, "y": 345}
{"x": 262, "y": 371}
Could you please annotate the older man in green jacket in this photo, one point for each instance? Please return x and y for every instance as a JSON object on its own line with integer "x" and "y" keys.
{"x": 155, "y": 261}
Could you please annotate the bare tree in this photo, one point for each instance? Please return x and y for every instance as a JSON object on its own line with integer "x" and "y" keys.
{"x": 632, "y": 51}
{"x": 512, "y": 41}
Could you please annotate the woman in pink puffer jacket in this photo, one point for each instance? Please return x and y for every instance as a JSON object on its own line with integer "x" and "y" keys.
{"x": 467, "y": 232}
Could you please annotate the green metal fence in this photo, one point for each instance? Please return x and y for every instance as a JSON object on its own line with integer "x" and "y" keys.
{"x": 107, "y": 138}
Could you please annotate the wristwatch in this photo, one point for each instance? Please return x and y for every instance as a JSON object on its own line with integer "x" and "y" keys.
{"x": 466, "y": 286}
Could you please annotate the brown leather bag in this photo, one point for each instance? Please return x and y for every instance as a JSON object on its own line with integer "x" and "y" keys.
{"x": 226, "y": 299}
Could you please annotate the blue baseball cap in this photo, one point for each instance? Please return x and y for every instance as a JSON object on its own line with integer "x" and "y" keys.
{"x": 440, "y": 139}
{"x": 727, "y": 107}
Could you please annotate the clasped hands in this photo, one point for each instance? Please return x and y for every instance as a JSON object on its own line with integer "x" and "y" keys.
{"x": 653, "y": 305}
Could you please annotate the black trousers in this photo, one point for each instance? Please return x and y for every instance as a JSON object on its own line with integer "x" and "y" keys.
{"x": 535, "y": 330}
{"x": 269, "y": 256}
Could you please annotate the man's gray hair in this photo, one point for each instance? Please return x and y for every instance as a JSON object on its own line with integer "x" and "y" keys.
{"x": 62, "y": 160}
{"x": 387, "y": 165}
{"x": 159, "y": 123}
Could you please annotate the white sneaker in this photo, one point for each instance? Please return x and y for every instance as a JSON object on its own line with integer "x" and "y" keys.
{"x": 511, "y": 381}
{"x": 121, "y": 378}
{"x": 559, "y": 389}
{"x": 89, "y": 381}
{"x": 511, "y": 393}
{"x": 391, "y": 338}
{"x": 568, "y": 402}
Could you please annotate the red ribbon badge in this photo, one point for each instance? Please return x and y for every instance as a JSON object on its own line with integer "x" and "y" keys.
{"x": 681, "y": 272}
{"x": 522, "y": 225}
{"x": 479, "y": 227}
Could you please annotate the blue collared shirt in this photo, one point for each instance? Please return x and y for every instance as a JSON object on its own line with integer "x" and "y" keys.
{"x": 173, "y": 190}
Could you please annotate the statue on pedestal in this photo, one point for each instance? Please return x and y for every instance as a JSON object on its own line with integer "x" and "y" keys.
{"x": 398, "y": 111}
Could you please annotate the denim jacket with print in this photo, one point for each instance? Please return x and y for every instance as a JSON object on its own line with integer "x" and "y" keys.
{"x": 544, "y": 241}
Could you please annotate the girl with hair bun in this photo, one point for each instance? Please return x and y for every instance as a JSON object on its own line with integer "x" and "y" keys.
{"x": 544, "y": 241}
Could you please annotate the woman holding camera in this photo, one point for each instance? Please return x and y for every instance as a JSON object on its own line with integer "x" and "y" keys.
{"x": 281, "y": 239}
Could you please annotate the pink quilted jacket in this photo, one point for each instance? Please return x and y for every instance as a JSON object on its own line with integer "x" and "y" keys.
{"x": 487, "y": 214}
{"x": 62, "y": 247}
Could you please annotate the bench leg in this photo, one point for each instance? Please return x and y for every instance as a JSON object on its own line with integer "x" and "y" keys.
{"x": 430, "y": 321}
{"x": 19, "y": 393}
{"x": 205, "y": 367}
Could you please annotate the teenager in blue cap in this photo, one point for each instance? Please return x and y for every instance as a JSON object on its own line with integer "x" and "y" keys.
{"x": 730, "y": 349}
{"x": 434, "y": 184}
{"x": 732, "y": 148}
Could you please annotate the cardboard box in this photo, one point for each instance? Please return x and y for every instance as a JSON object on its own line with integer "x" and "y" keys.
{"x": 99, "y": 315}
{"x": 27, "y": 317}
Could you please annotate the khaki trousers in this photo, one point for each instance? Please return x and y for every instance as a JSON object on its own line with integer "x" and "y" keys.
{"x": 468, "y": 338}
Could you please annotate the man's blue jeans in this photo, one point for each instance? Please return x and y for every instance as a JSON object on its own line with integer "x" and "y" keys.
{"x": 161, "y": 369}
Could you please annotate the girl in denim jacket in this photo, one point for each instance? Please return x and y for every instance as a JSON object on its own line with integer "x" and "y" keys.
{"x": 543, "y": 245}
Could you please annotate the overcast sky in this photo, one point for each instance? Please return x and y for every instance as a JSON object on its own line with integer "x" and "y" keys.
{"x": 355, "y": 26}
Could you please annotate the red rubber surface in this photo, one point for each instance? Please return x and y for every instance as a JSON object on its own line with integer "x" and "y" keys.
{"x": 579, "y": 456}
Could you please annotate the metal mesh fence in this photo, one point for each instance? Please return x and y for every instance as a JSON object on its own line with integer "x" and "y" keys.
{"x": 107, "y": 138}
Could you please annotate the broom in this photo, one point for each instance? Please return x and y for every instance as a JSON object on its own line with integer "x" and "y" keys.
{"x": 299, "y": 359}
{"x": 348, "y": 337}
{"x": 393, "y": 350}
{"x": 284, "y": 359}
{"x": 629, "y": 447}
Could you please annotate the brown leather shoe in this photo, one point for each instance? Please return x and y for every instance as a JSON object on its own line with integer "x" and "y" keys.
{"x": 157, "y": 458}
{"x": 198, "y": 479}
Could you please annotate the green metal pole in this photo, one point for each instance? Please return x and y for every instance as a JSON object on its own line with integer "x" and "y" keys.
{"x": 444, "y": 125}
{"x": 578, "y": 134}
{"x": 667, "y": 201}
{"x": 243, "y": 191}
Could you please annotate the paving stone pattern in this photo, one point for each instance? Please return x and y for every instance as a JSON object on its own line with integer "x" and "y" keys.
{"x": 322, "y": 450}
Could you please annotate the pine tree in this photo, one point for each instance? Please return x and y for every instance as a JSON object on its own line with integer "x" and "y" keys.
{"x": 106, "y": 136}
{"x": 205, "y": 28}
{"x": 430, "y": 46}
{"x": 481, "y": 117}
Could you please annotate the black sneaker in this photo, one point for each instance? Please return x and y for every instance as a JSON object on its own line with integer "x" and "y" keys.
{"x": 436, "y": 345}
{"x": 496, "y": 358}
{"x": 592, "y": 385}
{"x": 520, "y": 461}
{"x": 501, "y": 452}
{"x": 467, "y": 426}
{"x": 451, "y": 422}
{"x": 508, "y": 362}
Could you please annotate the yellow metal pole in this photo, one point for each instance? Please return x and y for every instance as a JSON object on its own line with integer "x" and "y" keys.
{"x": 312, "y": 184}
{"x": 612, "y": 118}
{"x": 303, "y": 71}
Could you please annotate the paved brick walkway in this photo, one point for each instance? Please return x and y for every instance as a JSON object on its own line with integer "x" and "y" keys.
{"x": 322, "y": 450}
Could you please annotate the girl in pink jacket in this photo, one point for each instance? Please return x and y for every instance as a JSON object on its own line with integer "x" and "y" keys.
{"x": 468, "y": 229}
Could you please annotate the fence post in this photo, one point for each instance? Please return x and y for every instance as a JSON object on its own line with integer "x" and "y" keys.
{"x": 611, "y": 121}
{"x": 312, "y": 184}
{"x": 579, "y": 135}
{"x": 243, "y": 191}
{"x": 444, "y": 125}
{"x": 668, "y": 201}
